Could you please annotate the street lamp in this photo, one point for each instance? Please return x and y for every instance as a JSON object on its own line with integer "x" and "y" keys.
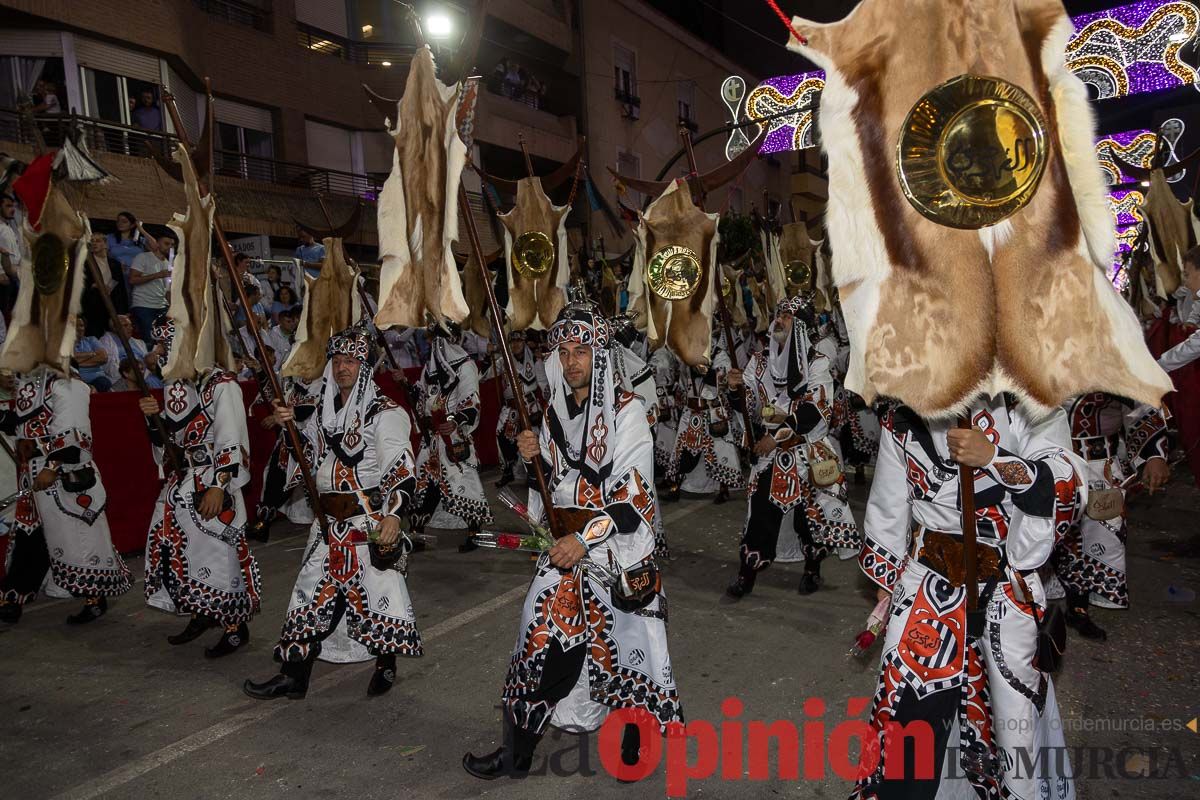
{"x": 439, "y": 25}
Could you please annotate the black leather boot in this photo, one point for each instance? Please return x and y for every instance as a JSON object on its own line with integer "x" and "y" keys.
{"x": 92, "y": 610}
{"x": 10, "y": 612}
{"x": 230, "y": 641}
{"x": 809, "y": 582}
{"x": 497, "y": 764}
{"x": 195, "y": 627}
{"x": 260, "y": 531}
{"x": 291, "y": 682}
{"x": 742, "y": 585}
{"x": 722, "y": 496}
{"x": 506, "y": 478}
{"x": 384, "y": 677}
{"x": 631, "y": 745}
{"x": 671, "y": 495}
{"x": 1081, "y": 621}
{"x": 468, "y": 543}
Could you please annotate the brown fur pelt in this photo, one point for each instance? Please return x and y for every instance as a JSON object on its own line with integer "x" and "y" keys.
{"x": 1172, "y": 230}
{"x": 42, "y": 330}
{"x": 535, "y": 302}
{"x": 418, "y": 206}
{"x": 476, "y": 294}
{"x": 683, "y": 325}
{"x": 737, "y": 309}
{"x": 936, "y": 315}
{"x": 201, "y": 323}
{"x": 331, "y": 305}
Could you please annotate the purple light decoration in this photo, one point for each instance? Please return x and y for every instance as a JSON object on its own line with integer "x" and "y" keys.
{"x": 1134, "y": 48}
{"x": 1123, "y": 140}
{"x": 778, "y": 94}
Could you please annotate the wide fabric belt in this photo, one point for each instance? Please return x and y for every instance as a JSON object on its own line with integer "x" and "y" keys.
{"x": 1096, "y": 448}
{"x": 943, "y": 553}
{"x": 347, "y": 505}
{"x": 696, "y": 404}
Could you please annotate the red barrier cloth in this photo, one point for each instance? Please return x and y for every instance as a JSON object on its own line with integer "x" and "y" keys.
{"x": 1184, "y": 402}
{"x": 121, "y": 447}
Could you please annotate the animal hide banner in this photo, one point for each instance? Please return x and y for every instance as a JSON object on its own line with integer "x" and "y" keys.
{"x": 938, "y": 315}
{"x": 796, "y": 244}
{"x": 201, "y": 323}
{"x": 775, "y": 286}
{"x": 475, "y": 292}
{"x": 683, "y": 325}
{"x": 418, "y": 206}
{"x": 42, "y": 330}
{"x": 733, "y": 302}
{"x": 331, "y": 304}
{"x": 534, "y": 301}
{"x": 1172, "y": 230}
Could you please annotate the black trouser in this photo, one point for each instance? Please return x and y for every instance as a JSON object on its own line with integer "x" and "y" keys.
{"x": 939, "y": 710}
{"x": 686, "y": 462}
{"x": 761, "y": 538}
{"x": 423, "y": 510}
{"x": 301, "y": 670}
{"x": 508, "y": 453}
{"x": 273, "y": 494}
{"x": 30, "y": 563}
{"x": 560, "y": 673}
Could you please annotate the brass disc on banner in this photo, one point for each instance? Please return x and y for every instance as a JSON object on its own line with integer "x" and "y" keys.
{"x": 726, "y": 286}
{"x": 50, "y": 263}
{"x": 972, "y": 152}
{"x": 533, "y": 253}
{"x": 799, "y": 276}
{"x": 674, "y": 273}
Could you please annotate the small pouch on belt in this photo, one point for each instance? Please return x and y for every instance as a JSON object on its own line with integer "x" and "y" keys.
{"x": 823, "y": 469}
{"x": 1104, "y": 504}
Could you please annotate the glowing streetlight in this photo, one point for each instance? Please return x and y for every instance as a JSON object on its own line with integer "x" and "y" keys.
{"x": 439, "y": 25}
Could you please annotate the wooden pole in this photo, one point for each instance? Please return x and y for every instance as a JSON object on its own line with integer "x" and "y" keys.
{"x": 297, "y": 445}
{"x": 726, "y": 323}
{"x": 966, "y": 480}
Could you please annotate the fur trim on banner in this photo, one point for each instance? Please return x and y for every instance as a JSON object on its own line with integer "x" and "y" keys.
{"x": 684, "y": 325}
{"x": 937, "y": 315}
{"x": 201, "y": 324}
{"x": 331, "y": 305}
{"x": 42, "y": 330}
{"x": 535, "y": 302}
{"x": 418, "y": 206}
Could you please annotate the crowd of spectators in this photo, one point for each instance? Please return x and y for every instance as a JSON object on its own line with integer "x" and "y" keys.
{"x": 512, "y": 80}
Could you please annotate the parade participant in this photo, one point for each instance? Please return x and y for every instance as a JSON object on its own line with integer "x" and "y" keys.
{"x": 1090, "y": 560}
{"x": 705, "y": 448}
{"x": 982, "y": 693}
{"x": 281, "y": 479}
{"x": 59, "y": 524}
{"x": 795, "y": 471}
{"x": 583, "y": 648}
{"x": 667, "y": 384}
{"x": 532, "y": 374}
{"x": 361, "y": 455}
{"x": 1188, "y": 310}
{"x": 447, "y": 404}
{"x": 197, "y": 560}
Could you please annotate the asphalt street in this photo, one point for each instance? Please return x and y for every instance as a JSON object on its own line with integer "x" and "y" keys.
{"x": 111, "y": 710}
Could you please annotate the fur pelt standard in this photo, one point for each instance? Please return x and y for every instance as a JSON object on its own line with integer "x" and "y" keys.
{"x": 938, "y": 315}
{"x": 683, "y": 325}
{"x": 201, "y": 324}
{"x": 418, "y": 206}
{"x": 331, "y": 304}
{"x": 42, "y": 330}
{"x": 1172, "y": 229}
{"x": 535, "y": 302}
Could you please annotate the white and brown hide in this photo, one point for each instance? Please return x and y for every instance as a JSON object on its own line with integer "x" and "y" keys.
{"x": 775, "y": 286}
{"x": 796, "y": 244}
{"x": 418, "y": 206}
{"x": 331, "y": 304}
{"x": 1172, "y": 229}
{"x": 733, "y": 301}
{"x": 534, "y": 302}
{"x": 937, "y": 315}
{"x": 42, "y": 330}
{"x": 762, "y": 308}
{"x": 201, "y": 323}
{"x": 683, "y": 325}
{"x": 475, "y": 292}
{"x": 610, "y": 297}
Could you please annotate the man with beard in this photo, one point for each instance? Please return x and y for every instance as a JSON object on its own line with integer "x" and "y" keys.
{"x": 197, "y": 560}
{"x": 796, "y": 471}
{"x": 447, "y": 403}
{"x": 588, "y": 644}
{"x": 532, "y": 376}
{"x": 358, "y": 443}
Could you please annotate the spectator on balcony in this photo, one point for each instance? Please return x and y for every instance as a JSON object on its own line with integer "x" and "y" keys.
{"x": 149, "y": 276}
{"x": 310, "y": 253}
{"x": 45, "y": 97}
{"x": 90, "y": 358}
{"x": 272, "y": 287}
{"x": 146, "y": 113}
{"x": 285, "y": 299}
{"x": 128, "y": 242}
{"x": 111, "y": 269}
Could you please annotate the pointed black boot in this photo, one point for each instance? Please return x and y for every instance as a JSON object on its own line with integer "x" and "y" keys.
{"x": 722, "y": 496}
{"x": 10, "y": 612}
{"x": 260, "y": 531}
{"x": 506, "y": 478}
{"x": 92, "y": 610}
{"x": 809, "y": 583}
{"x": 1081, "y": 621}
{"x": 195, "y": 627}
{"x": 497, "y": 764}
{"x": 291, "y": 682}
{"x": 231, "y": 641}
{"x": 384, "y": 677}
{"x": 742, "y": 585}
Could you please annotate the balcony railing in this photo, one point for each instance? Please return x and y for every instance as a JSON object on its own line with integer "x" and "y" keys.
{"x": 238, "y": 12}
{"x": 384, "y": 54}
{"x": 102, "y": 136}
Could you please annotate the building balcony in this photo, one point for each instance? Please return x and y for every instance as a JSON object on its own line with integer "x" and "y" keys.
{"x": 501, "y": 120}
{"x": 544, "y": 19}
